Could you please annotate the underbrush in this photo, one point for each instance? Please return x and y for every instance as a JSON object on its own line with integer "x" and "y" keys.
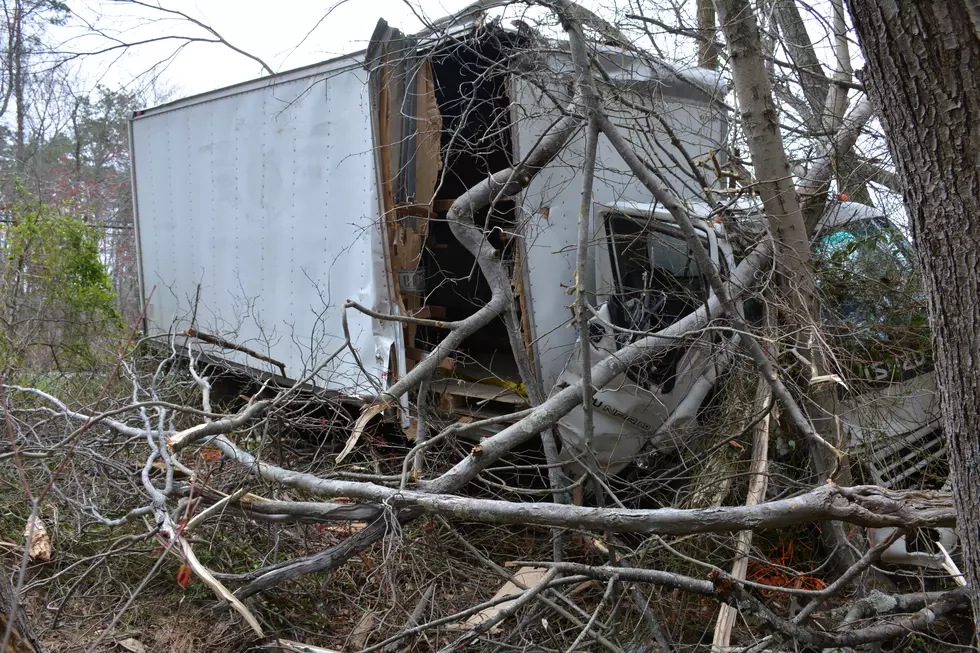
{"x": 112, "y": 566}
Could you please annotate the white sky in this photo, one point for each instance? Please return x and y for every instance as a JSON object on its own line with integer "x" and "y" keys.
{"x": 285, "y": 34}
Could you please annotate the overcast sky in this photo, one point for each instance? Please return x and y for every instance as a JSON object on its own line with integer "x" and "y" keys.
{"x": 285, "y": 34}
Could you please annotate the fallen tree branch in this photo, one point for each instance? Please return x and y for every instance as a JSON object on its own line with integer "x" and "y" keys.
{"x": 492, "y": 449}
{"x": 485, "y": 626}
{"x": 724, "y": 588}
{"x": 181, "y": 439}
{"x": 512, "y": 578}
{"x": 472, "y": 610}
{"x": 227, "y": 344}
{"x": 415, "y": 618}
{"x": 877, "y": 633}
{"x": 208, "y": 578}
{"x": 667, "y": 579}
{"x": 870, "y": 557}
{"x": 865, "y": 505}
{"x": 263, "y": 509}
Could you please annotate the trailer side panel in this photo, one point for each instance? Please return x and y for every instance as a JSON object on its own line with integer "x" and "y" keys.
{"x": 257, "y": 213}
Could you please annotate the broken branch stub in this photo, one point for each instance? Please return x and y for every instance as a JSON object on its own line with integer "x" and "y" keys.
{"x": 181, "y": 439}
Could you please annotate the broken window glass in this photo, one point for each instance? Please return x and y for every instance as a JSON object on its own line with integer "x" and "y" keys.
{"x": 657, "y": 279}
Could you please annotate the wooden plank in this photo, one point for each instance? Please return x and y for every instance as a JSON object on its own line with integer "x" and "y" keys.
{"x": 416, "y": 210}
{"x": 428, "y": 141}
{"x": 441, "y": 206}
{"x": 481, "y": 391}
{"x": 430, "y": 312}
{"x": 415, "y": 355}
{"x": 518, "y": 283}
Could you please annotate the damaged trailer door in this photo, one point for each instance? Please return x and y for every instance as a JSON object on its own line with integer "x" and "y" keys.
{"x": 442, "y": 123}
{"x": 407, "y": 125}
{"x": 648, "y": 280}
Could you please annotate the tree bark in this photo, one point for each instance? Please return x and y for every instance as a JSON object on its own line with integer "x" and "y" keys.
{"x": 799, "y": 47}
{"x": 921, "y": 60}
{"x": 761, "y": 124}
{"x": 707, "y": 47}
{"x": 18, "y": 83}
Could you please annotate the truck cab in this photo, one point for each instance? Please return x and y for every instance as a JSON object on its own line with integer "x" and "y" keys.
{"x": 645, "y": 280}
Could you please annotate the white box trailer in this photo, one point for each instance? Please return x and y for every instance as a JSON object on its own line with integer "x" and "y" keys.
{"x": 257, "y": 217}
{"x": 263, "y": 207}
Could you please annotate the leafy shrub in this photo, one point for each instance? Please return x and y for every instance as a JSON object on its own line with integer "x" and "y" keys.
{"x": 58, "y": 298}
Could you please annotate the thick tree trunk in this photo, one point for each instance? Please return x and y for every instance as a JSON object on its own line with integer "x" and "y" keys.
{"x": 761, "y": 124}
{"x": 921, "y": 73}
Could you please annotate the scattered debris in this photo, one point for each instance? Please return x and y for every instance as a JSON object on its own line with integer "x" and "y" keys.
{"x": 950, "y": 566}
{"x": 523, "y": 578}
{"x": 363, "y": 629}
{"x": 132, "y": 645}
{"x": 368, "y": 414}
{"x": 288, "y": 646}
{"x": 37, "y": 540}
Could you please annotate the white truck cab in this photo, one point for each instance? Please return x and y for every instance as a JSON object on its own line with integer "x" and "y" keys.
{"x": 646, "y": 279}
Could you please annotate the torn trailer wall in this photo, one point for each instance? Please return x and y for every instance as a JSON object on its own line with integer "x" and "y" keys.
{"x": 433, "y": 102}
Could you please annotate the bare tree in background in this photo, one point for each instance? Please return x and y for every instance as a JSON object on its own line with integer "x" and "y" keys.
{"x": 64, "y": 140}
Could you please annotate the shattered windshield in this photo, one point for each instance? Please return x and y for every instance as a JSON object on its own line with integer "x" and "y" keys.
{"x": 873, "y": 248}
{"x": 657, "y": 279}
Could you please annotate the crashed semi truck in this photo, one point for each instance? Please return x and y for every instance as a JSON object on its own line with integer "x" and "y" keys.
{"x": 263, "y": 208}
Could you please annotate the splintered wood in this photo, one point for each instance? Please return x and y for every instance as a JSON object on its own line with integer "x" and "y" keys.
{"x": 37, "y": 540}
